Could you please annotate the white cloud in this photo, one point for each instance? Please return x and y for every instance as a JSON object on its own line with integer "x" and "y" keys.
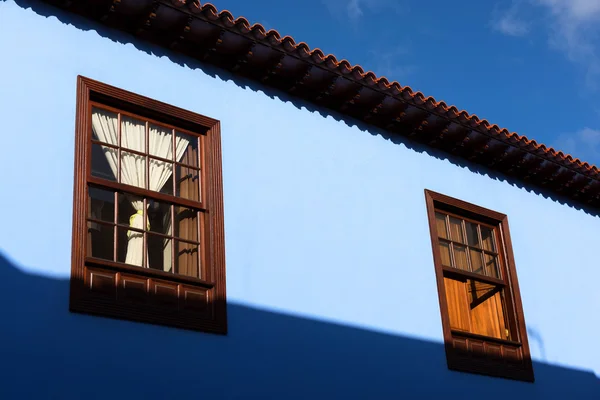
{"x": 584, "y": 144}
{"x": 354, "y": 10}
{"x": 508, "y": 21}
{"x": 572, "y": 27}
{"x": 391, "y": 62}
{"x": 575, "y": 30}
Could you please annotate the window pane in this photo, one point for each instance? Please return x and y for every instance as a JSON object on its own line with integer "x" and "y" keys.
{"x": 460, "y": 257}
{"x": 159, "y": 215}
{"x": 104, "y": 126}
{"x": 445, "y": 254}
{"x": 133, "y": 134}
{"x": 160, "y": 174}
{"x": 186, "y": 259}
{"x": 456, "y": 232}
{"x": 440, "y": 221}
{"x": 100, "y": 240}
{"x": 187, "y": 149}
{"x": 104, "y": 162}
{"x": 188, "y": 183}
{"x": 186, "y": 223}
{"x": 477, "y": 261}
{"x": 159, "y": 253}
{"x": 130, "y": 210}
{"x": 133, "y": 169}
{"x": 487, "y": 236}
{"x": 101, "y": 204}
{"x": 130, "y": 246}
{"x": 160, "y": 142}
{"x": 472, "y": 236}
{"x": 491, "y": 263}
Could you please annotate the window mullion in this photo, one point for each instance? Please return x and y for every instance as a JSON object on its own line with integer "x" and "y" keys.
{"x": 119, "y": 148}
{"x": 115, "y": 229}
{"x": 467, "y": 250}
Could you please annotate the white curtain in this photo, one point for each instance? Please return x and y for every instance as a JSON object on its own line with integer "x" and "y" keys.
{"x": 133, "y": 168}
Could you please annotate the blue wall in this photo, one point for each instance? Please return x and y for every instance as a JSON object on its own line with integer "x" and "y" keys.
{"x": 330, "y": 281}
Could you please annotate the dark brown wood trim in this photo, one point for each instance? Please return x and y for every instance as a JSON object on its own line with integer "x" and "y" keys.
{"x": 148, "y": 272}
{"x": 141, "y": 192}
{"x": 466, "y": 351}
{"x": 473, "y": 275}
{"x": 104, "y": 288}
{"x": 102, "y": 91}
{"x": 491, "y": 339}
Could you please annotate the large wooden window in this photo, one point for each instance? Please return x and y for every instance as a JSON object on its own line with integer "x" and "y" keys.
{"x": 482, "y": 317}
{"x": 148, "y": 212}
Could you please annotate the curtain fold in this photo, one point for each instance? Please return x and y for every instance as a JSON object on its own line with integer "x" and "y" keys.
{"x": 133, "y": 166}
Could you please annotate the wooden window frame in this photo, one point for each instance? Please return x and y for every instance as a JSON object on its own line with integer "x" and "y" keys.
{"x": 117, "y": 290}
{"x": 469, "y": 352}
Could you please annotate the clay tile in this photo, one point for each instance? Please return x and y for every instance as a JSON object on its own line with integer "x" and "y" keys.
{"x": 195, "y": 7}
{"x": 317, "y": 53}
{"x": 226, "y": 15}
{"x": 290, "y": 40}
{"x": 210, "y": 11}
{"x": 241, "y": 20}
{"x": 178, "y": 3}
{"x": 303, "y": 49}
{"x": 358, "y": 72}
{"x": 273, "y": 35}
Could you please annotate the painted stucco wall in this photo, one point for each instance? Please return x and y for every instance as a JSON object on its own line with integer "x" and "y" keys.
{"x": 330, "y": 281}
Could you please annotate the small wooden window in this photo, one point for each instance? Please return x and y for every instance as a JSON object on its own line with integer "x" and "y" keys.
{"x": 482, "y": 316}
{"x": 148, "y": 212}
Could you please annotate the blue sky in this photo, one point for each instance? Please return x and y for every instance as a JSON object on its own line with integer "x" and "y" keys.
{"x": 531, "y": 66}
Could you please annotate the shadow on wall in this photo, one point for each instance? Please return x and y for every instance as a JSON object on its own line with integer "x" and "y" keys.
{"x": 49, "y": 353}
{"x": 182, "y": 60}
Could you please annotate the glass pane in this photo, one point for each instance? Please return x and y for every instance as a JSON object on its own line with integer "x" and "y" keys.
{"x": 133, "y": 169}
{"x": 456, "y": 232}
{"x": 160, "y": 174}
{"x": 159, "y": 215}
{"x": 472, "y": 236}
{"x": 100, "y": 240}
{"x": 133, "y": 134}
{"x": 101, "y": 204}
{"x": 168, "y": 186}
{"x": 186, "y": 259}
{"x": 487, "y": 236}
{"x": 440, "y": 222}
{"x": 187, "y": 149}
{"x": 130, "y": 246}
{"x": 477, "y": 261}
{"x": 491, "y": 264}
{"x": 445, "y": 254}
{"x": 188, "y": 183}
{"x": 460, "y": 257}
{"x": 186, "y": 223}
{"x": 160, "y": 142}
{"x": 104, "y": 126}
{"x": 104, "y": 162}
{"x": 130, "y": 210}
{"x": 159, "y": 253}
